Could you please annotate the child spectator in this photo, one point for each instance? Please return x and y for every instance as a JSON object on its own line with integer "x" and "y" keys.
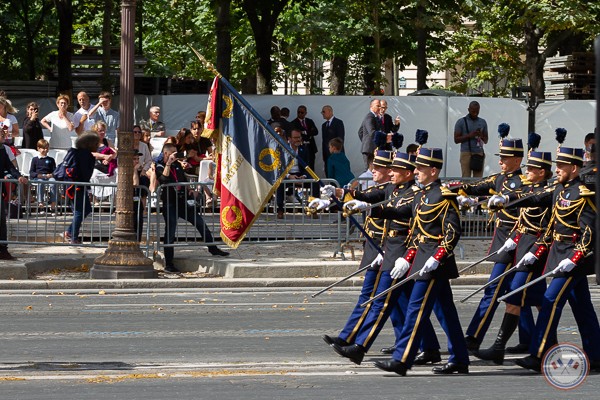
{"x": 41, "y": 169}
{"x": 338, "y": 165}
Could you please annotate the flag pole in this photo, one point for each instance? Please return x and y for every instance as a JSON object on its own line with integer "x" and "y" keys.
{"x": 281, "y": 142}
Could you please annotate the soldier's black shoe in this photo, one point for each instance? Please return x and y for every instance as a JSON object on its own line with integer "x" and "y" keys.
{"x": 530, "y": 362}
{"x": 451, "y": 368}
{"x": 353, "y": 352}
{"x": 428, "y": 356}
{"x": 472, "y": 344}
{"x": 388, "y": 350}
{"x": 392, "y": 366}
{"x": 494, "y": 353}
{"x": 521, "y": 348}
{"x": 334, "y": 339}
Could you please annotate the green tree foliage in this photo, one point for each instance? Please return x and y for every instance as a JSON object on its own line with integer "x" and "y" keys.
{"x": 512, "y": 39}
{"x": 26, "y": 37}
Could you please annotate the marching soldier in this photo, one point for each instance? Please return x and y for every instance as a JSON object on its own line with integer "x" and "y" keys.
{"x": 508, "y": 181}
{"x": 398, "y": 213}
{"x": 433, "y": 238}
{"x": 569, "y": 243}
{"x": 376, "y": 229}
{"x": 532, "y": 223}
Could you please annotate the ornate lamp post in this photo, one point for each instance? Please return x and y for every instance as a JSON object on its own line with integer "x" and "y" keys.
{"x": 123, "y": 259}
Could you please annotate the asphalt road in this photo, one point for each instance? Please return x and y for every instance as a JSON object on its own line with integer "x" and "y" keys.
{"x": 225, "y": 344}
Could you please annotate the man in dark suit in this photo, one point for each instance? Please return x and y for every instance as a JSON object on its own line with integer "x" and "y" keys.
{"x": 309, "y": 131}
{"x": 370, "y": 124}
{"x": 332, "y": 127}
{"x": 388, "y": 125}
{"x": 297, "y": 171}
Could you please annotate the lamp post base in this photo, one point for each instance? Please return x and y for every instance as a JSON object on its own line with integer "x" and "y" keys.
{"x": 123, "y": 260}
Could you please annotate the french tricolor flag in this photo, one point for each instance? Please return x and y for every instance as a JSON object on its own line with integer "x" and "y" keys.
{"x": 252, "y": 161}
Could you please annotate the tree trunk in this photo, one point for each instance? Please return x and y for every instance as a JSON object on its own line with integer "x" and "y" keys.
{"x": 65, "y": 46}
{"x": 534, "y": 62}
{"x": 223, "y": 30}
{"x": 339, "y": 66}
{"x": 264, "y": 74}
{"x": 369, "y": 73}
{"x": 249, "y": 84}
{"x": 106, "y": 81}
{"x": 421, "y": 56}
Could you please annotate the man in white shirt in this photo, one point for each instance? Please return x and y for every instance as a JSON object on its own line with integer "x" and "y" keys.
{"x": 85, "y": 117}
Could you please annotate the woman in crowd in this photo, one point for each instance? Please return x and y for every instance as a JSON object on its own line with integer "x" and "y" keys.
{"x": 60, "y": 124}
{"x": 32, "y": 128}
{"x": 106, "y": 165}
{"x": 8, "y": 122}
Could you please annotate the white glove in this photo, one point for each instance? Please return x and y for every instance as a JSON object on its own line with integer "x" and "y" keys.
{"x": 319, "y": 204}
{"x": 356, "y": 205}
{"x": 328, "y": 191}
{"x": 466, "y": 201}
{"x": 430, "y": 265}
{"x": 400, "y": 268}
{"x": 496, "y": 200}
{"x": 565, "y": 265}
{"x": 377, "y": 261}
{"x": 509, "y": 245}
{"x": 528, "y": 259}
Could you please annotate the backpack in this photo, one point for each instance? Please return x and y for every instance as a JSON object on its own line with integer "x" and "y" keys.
{"x": 64, "y": 170}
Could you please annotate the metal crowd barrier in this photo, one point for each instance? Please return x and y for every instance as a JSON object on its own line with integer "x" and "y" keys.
{"x": 292, "y": 225}
{"x": 28, "y": 222}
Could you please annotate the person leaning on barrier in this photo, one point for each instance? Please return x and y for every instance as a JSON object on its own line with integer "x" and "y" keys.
{"x": 296, "y": 172}
{"x": 174, "y": 206}
{"x": 436, "y": 231}
{"x": 569, "y": 244}
{"x": 79, "y": 167}
{"x": 509, "y": 180}
{"x": 375, "y": 228}
{"x": 7, "y": 166}
{"x": 398, "y": 214}
{"x": 531, "y": 224}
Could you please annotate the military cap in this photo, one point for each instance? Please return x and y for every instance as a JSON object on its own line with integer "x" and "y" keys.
{"x": 404, "y": 160}
{"x": 511, "y": 148}
{"x": 539, "y": 159}
{"x": 568, "y": 155}
{"x": 383, "y": 158}
{"x": 429, "y": 157}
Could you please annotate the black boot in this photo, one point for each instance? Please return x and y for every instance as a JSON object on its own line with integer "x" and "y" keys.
{"x": 496, "y": 352}
{"x": 354, "y": 352}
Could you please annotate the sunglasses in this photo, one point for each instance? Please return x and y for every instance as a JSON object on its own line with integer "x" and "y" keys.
{"x": 135, "y": 131}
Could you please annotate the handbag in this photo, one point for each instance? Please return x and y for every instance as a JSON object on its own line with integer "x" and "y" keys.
{"x": 476, "y": 160}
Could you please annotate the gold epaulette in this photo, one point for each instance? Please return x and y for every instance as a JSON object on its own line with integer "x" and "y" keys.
{"x": 524, "y": 180}
{"x": 448, "y": 193}
{"x": 584, "y": 191}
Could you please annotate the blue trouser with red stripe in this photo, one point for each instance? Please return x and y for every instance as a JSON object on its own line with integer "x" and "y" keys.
{"x": 574, "y": 289}
{"x": 393, "y": 305}
{"x": 424, "y": 296}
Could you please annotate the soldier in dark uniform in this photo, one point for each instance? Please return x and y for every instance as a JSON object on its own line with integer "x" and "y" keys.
{"x": 376, "y": 229}
{"x": 532, "y": 223}
{"x": 569, "y": 243}
{"x": 436, "y": 230}
{"x": 509, "y": 180}
{"x": 398, "y": 214}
